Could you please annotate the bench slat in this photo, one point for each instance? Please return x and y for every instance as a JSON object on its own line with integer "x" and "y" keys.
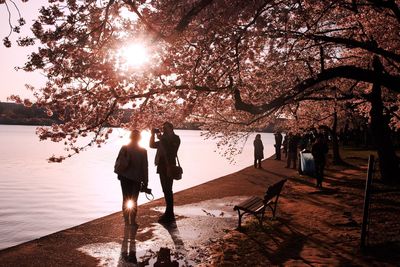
{"x": 255, "y": 205}
{"x": 252, "y": 202}
{"x": 248, "y": 202}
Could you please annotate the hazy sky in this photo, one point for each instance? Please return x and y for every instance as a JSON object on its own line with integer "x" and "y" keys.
{"x": 12, "y": 81}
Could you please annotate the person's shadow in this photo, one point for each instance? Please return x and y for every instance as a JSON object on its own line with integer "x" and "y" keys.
{"x": 164, "y": 257}
{"x": 128, "y": 248}
{"x": 173, "y": 231}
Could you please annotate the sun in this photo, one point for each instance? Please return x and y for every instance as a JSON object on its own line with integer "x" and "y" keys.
{"x": 124, "y": 138}
{"x": 135, "y": 55}
{"x": 145, "y": 138}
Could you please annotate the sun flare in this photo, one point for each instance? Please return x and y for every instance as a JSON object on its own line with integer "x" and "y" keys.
{"x": 129, "y": 204}
{"x": 144, "y": 138}
{"x": 135, "y": 55}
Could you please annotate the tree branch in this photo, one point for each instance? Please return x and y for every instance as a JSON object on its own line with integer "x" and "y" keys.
{"x": 369, "y": 46}
{"x": 196, "y": 9}
{"x": 348, "y": 72}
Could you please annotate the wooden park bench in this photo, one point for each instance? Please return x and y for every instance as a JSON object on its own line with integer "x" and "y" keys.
{"x": 256, "y": 205}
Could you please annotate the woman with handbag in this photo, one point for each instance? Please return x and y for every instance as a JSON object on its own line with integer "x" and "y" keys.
{"x": 167, "y": 150}
{"x": 132, "y": 169}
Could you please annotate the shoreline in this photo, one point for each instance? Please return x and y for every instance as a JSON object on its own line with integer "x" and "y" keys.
{"x": 149, "y": 202}
{"x": 45, "y": 250}
{"x": 312, "y": 227}
{"x": 68, "y": 205}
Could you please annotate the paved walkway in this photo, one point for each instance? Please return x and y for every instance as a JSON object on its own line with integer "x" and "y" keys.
{"x": 313, "y": 228}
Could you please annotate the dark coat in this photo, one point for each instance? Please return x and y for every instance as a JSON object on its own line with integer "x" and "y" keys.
{"x": 278, "y": 139}
{"x": 167, "y": 150}
{"x": 137, "y": 169}
{"x": 319, "y": 151}
{"x": 258, "y": 149}
{"x": 293, "y": 143}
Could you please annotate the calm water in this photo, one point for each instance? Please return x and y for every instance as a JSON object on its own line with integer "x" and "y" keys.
{"x": 38, "y": 198}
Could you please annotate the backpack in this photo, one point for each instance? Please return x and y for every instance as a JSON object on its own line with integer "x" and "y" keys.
{"x": 122, "y": 161}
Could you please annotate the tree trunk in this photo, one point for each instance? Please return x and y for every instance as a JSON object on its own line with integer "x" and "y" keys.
{"x": 388, "y": 161}
{"x": 337, "y": 159}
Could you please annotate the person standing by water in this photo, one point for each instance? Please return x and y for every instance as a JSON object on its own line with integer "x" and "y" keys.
{"x": 319, "y": 150}
{"x": 258, "y": 151}
{"x": 293, "y": 141}
{"x": 167, "y": 149}
{"x": 278, "y": 145}
{"x": 132, "y": 169}
{"x": 285, "y": 145}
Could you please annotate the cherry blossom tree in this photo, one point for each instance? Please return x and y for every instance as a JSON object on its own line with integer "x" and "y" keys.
{"x": 234, "y": 65}
{"x": 314, "y": 114}
{"x": 15, "y": 24}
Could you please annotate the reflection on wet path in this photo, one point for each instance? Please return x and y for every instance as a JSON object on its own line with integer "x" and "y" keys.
{"x": 179, "y": 243}
{"x": 128, "y": 248}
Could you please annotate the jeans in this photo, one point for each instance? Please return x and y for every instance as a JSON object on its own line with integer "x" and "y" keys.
{"x": 166, "y": 184}
{"x": 130, "y": 191}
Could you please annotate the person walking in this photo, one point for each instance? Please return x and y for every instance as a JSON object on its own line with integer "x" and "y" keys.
{"x": 319, "y": 151}
{"x": 132, "y": 169}
{"x": 293, "y": 141}
{"x": 278, "y": 145}
{"x": 167, "y": 149}
{"x": 258, "y": 151}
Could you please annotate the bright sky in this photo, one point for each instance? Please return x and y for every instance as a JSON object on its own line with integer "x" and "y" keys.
{"x": 12, "y": 81}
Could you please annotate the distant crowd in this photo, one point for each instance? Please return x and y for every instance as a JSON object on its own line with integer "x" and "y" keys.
{"x": 315, "y": 143}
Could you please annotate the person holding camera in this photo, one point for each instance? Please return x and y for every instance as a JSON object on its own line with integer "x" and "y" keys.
{"x": 167, "y": 149}
{"x": 132, "y": 169}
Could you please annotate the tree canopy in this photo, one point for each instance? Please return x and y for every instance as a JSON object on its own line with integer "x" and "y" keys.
{"x": 234, "y": 65}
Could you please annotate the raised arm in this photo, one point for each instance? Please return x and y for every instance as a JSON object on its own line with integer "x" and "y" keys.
{"x": 153, "y": 143}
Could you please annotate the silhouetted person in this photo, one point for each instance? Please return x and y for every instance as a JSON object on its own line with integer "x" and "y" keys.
{"x": 293, "y": 141}
{"x": 285, "y": 145}
{"x": 258, "y": 151}
{"x": 319, "y": 150}
{"x": 132, "y": 176}
{"x": 303, "y": 142}
{"x": 167, "y": 149}
{"x": 278, "y": 145}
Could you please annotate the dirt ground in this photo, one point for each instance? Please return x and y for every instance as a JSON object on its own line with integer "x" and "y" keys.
{"x": 313, "y": 227}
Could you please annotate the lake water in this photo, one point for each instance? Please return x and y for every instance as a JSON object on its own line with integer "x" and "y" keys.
{"x": 38, "y": 198}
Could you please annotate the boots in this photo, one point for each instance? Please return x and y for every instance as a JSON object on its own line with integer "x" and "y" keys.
{"x": 168, "y": 216}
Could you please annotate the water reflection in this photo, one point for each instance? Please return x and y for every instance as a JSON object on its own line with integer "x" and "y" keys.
{"x": 173, "y": 231}
{"x": 161, "y": 258}
{"x": 128, "y": 247}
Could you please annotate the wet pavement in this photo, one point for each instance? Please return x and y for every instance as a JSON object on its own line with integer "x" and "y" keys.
{"x": 180, "y": 243}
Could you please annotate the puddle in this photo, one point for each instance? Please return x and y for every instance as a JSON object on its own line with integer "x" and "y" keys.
{"x": 111, "y": 255}
{"x": 176, "y": 244}
{"x": 222, "y": 207}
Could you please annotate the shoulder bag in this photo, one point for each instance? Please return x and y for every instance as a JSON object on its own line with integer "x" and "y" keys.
{"x": 175, "y": 172}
